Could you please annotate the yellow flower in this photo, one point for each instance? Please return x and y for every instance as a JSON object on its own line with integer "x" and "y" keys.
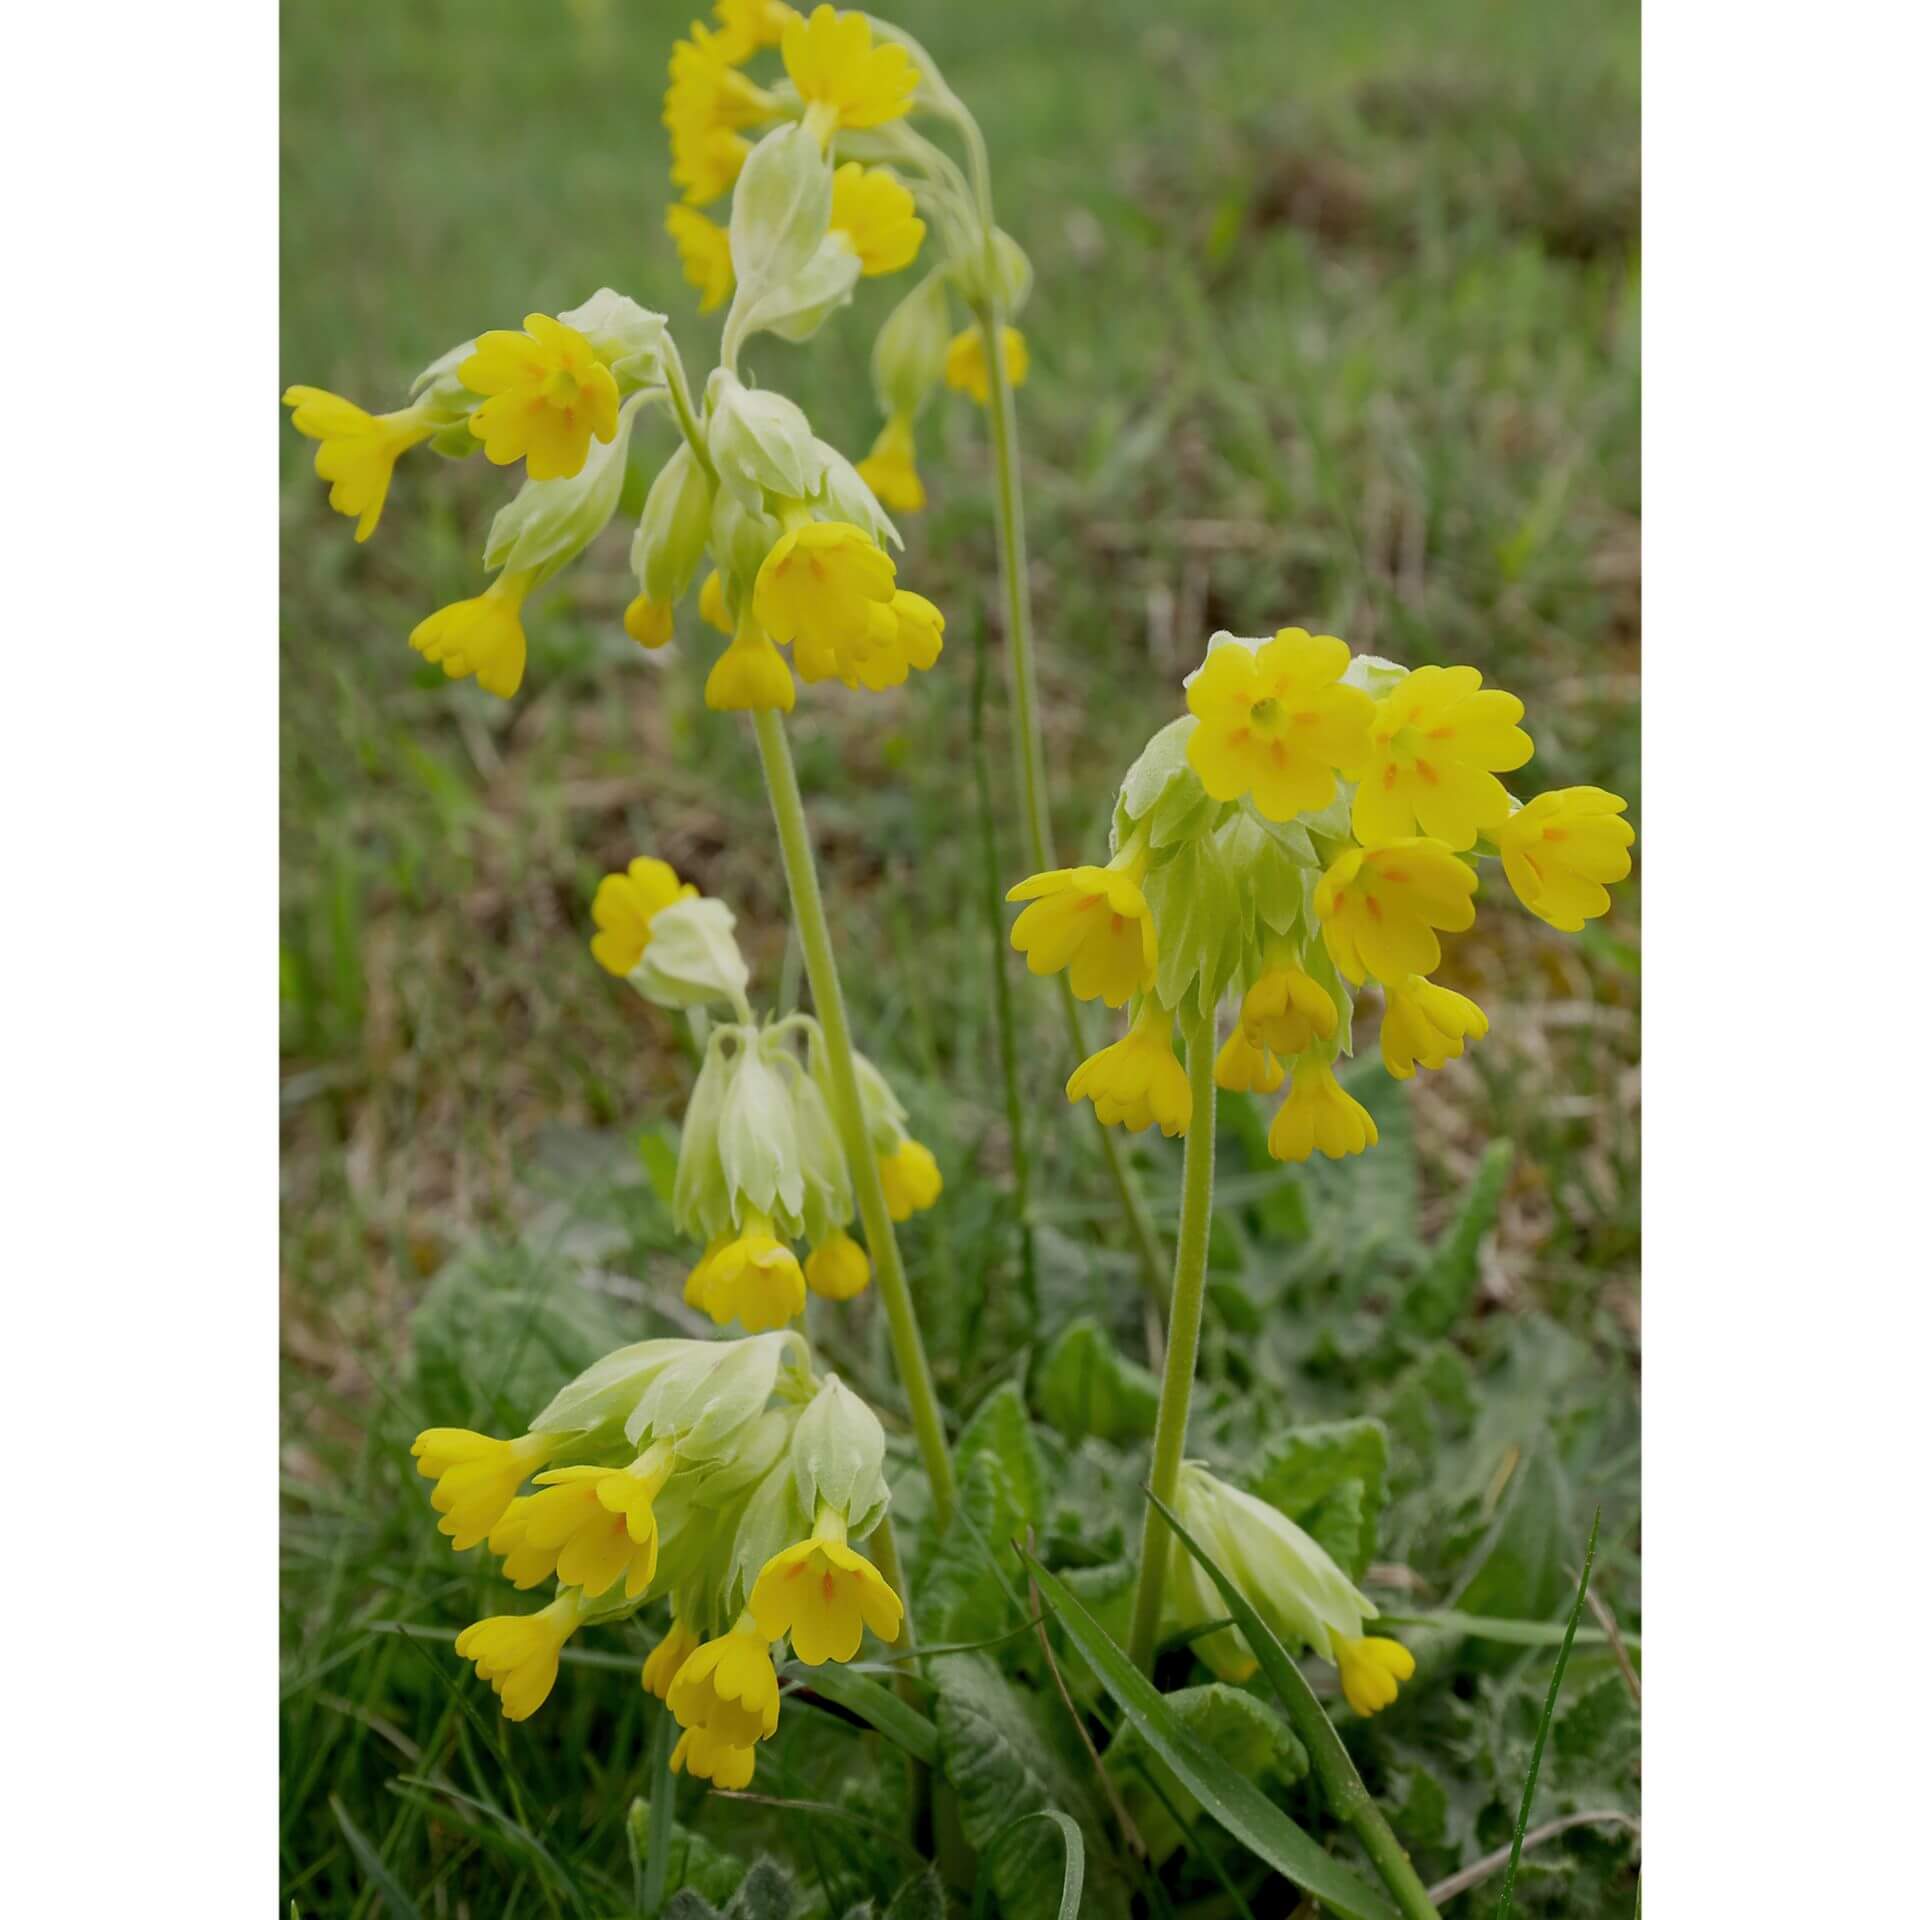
{"x": 699, "y": 1752}
{"x": 590, "y": 1525}
{"x": 1094, "y": 920}
{"x": 706, "y": 258}
{"x": 1563, "y": 851}
{"x": 1319, "y": 1113}
{"x": 752, "y": 1278}
{"x": 667, "y": 1658}
{"x": 707, "y": 104}
{"x": 1275, "y": 722}
{"x": 482, "y": 637}
{"x": 549, "y": 397}
{"x": 817, "y": 585}
{"x": 1241, "y": 1066}
{"x": 748, "y": 25}
{"x": 728, "y": 1686}
{"x": 1371, "y": 1671}
{"x": 750, "y": 676}
{"x": 889, "y": 468}
{"x": 623, "y": 908}
{"x": 518, "y": 1654}
{"x": 875, "y": 213}
{"x": 357, "y": 449}
{"x": 476, "y": 1476}
{"x": 837, "y": 1269}
{"x": 967, "y": 370}
{"x": 1379, "y": 906}
{"x": 843, "y": 77}
{"x": 649, "y": 623}
{"x": 910, "y": 1179}
{"x": 1428, "y": 1024}
{"x": 922, "y": 628}
{"x": 823, "y": 1593}
{"x": 694, "y": 1290}
{"x": 1437, "y": 741}
{"x": 1286, "y": 1010}
{"x": 713, "y": 603}
{"x": 1138, "y": 1082}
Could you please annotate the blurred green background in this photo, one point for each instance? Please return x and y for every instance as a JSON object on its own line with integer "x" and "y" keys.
{"x": 1336, "y": 323}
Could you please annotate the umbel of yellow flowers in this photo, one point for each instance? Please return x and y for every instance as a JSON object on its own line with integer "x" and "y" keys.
{"x": 761, "y": 1163}
{"x": 1309, "y": 830}
{"x": 722, "y": 1472}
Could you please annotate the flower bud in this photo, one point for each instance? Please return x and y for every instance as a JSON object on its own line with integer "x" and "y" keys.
{"x": 910, "y": 350}
{"x": 673, "y": 529}
{"x": 829, "y": 1202}
{"x": 702, "y": 1200}
{"x": 549, "y": 522}
{"x": 630, "y": 338}
{"x": 759, "y": 1138}
{"x": 839, "y": 1459}
{"x": 999, "y": 270}
{"x": 692, "y": 958}
{"x": 760, "y": 442}
{"x": 880, "y": 1109}
{"x": 795, "y": 307}
{"x": 781, "y": 205}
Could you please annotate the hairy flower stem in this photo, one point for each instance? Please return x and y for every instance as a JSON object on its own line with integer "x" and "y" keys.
{"x": 1183, "y": 1340}
{"x": 1010, "y": 526}
{"x": 830, "y": 1008}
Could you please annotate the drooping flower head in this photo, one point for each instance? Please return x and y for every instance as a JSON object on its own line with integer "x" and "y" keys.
{"x": 845, "y": 79}
{"x": 824, "y": 1594}
{"x": 838, "y": 1268}
{"x": 667, "y": 1658}
{"x": 476, "y": 1476}
{"x": 1426, "y": 1026}
{"x": 728, "y": 1686}
{"x": 750, "y": 675}
{"x": 819, "y": 584}
{"x": 752, "y": 1278}
{"x": 1138, "y": 1082}
{"x": 1563, "y": 850}
{"x": 889, "y": 469}
{"x": 481, "y": 637}
{"x": 1372, "y": 1671}
{"x": 1276, "y": 724}
{"x": 357, "y": 449}
{"x": 549, "y": 395}
{"x": 705, "y": 256}
{"x": 709, "y": 1758}
{"x": 713, "y": 603}
{"x": 1437, "y": 741}
{"x": 966, "y": 364}
{"x": 1245, "y": 1066}
{"x": 592, "y": 1526}
{"x": 518, "y": 1654}
{"x": 1093, "y": 921}
{"x": 623, "y": 908}
{"x": 1379, "y": 908}
{"x": 1286, "y": 1010}
{"x": 1320, "y": 1115}
{"x": 875, "y": 214}
{"x": 910, "y": 1179}
{"x": 649, "y": 623}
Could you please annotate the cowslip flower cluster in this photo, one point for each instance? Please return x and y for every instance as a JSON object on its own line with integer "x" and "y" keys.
{"x": 1289, "y": 1580}
{"x": 761, "y": 1162}
{"x": 722, "y": 1472}
{"x": 1310, "y": 829}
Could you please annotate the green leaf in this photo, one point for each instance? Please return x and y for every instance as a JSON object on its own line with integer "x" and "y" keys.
{"x": 1229, "y": 1798}
{"x": 371, "y": 1864}
{"x": 1516, "y": 1575}
{"x": 1085, "y": 1385}
{"x": 765, "y": 1894}
{"x": 1329, "y": 1478}
{"x": 1073, "y": 1876}
{"x": 1000, "y": 1426}
{"x": 999, "y": 1750}
{"x": 920, "y": 1899}
{"x": 710, "y": 1872}
{"x": 1444, "y": 1289}
{"x": 964, "y": 1593}
{"x": 879, "y": 1706}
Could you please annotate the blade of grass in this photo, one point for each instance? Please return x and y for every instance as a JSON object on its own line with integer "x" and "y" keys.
{"x": 1073, "y": 1877}
{"x": 1231, "y": 1799}
{"x": 660, "y": 1786}
{"x": 1511, "y": 1633}
{"x": 1546, "y": 1721}
{"x": 372, "y": 1865}
{"x": 881, "y": 1708}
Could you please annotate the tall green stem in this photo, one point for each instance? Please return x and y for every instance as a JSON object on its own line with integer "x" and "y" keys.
{"x": 1183, "y": 1339}
{"x": 830, "y": 1009}
{"x": 1010, "y": 526}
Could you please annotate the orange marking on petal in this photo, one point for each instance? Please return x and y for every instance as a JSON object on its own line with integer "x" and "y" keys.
{"x": 1426, "y": 773}
{"x": 1373, "y": 906}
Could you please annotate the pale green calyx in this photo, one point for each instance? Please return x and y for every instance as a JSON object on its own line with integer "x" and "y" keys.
{"x": 910, "y": 350}
{"x": 782, "y": 203}
{"x": 630, "y": 338}
{"x": 795, "y": 307}
{"x": 839, "y": 1459}
{"x": 759, "y": 1134}
{"x": 742, "y": 538}
{"x": 437, "y": 386}
{"x": 700, "y": 1401}
{"x": 829, "y": 1202}
{"x": 692, "y": 958}
{"x": 1373, "y": 675}
{"x": 673, "y": 529}
{"x": 880, "y": 1108}
{"x": 1163, "y": 793}
{"x": 549, "y": 522}
{"x": 843, "y": 495}
{"x": 608, "y": 1391}
{"x": 998, "y": 270}
{"x": 702, "y": 1201}
{"x": 759, "y": 441}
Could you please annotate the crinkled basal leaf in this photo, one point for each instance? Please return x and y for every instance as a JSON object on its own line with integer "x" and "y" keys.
{"x": 1518, "y": 1572}
{"x": 692, "y": 1862}
{"x": 1329, "y": 1478}
{"x": 966, "y": 1590}
{"x": 1006, "y": 1755}
{"x": 1000, "y": 1426}
{"x": 1240, "y": 1727}
{"x": 1444, "y": 1289}
{"x": 1086, "y": 1385}
{"x": 500, "y": 1331}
